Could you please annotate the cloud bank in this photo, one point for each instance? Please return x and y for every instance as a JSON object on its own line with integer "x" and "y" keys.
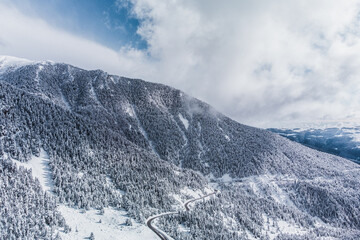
{"x": 260, "y": 62}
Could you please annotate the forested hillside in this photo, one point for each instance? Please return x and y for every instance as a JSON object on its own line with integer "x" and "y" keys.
{"x": 151, "y": 142}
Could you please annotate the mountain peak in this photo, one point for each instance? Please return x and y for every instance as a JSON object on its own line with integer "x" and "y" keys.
{"x": 9, "y": 61}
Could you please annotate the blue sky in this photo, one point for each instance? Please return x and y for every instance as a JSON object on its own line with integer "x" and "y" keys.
{"x": 104, "y": 21}
{"x": 261, "y": 62}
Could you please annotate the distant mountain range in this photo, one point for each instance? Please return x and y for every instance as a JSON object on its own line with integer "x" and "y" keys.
{"x": 146, "y": 148}
{"x": 341, "y": 141}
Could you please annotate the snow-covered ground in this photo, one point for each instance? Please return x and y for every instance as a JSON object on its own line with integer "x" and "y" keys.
{"x": 112, "y": 225}
{"x": 226, "y": 178}
{"x": 83, "y": 223}
{"x": 195, "y": 194}
{"x": 40, "y": 169}
{"x": 272, "y": 228}
{"x": 182, "y": 228}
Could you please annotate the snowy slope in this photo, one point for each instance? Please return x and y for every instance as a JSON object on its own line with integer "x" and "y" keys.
{"x": 40, "y": 169}
{"x": 112, "y": 225}
{"x": 107, "y": 226}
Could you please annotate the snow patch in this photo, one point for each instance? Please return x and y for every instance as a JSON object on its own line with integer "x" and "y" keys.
{"x": 191, "y": 192}
{"x": 226, "y": 178}
{"x": 227, "y": 137}
{"x": 196, "y": 193}
{"x": 177, "y": 172}
{"x": 112, "y": 225}
{"x": 257, "y": 183}
{"x": 289, "y": 228}
{"x": 184, "y": 121}
{"x": 182, "y": 228}
{"x": 40, "y": 68}
{"x": 93, "y": 95}
{"x": 40, "y": 169}
{"x": 127, "y": 108}
{"x": 273, "y": 228}
{"x": 71, "y": 77}
{"x": 201, "y": 148}
{"x": 64, "y": 102}
{"x": 208, "y": 190}
{"x": 156, "y": 99}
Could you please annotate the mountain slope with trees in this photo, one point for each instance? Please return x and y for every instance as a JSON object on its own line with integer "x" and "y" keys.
{"x": 152, "y": 142}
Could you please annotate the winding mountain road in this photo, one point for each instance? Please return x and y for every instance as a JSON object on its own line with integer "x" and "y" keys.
{"x": 162, "y": 235}
{"x": 186, "y": 204}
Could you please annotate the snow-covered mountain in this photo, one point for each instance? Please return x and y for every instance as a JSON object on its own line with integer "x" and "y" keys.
{"x": 341, "y": 141}
{"x": 144, "y": 148}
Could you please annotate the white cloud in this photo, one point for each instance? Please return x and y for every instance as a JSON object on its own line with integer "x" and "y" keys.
{"x": 260, "y": 62}
{"x": 33, "y": 38}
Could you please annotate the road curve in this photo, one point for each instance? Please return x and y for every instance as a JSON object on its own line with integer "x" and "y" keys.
{"x": 186, "y": 205}
{"x": 157, "y": 231}
{"x": 161, "y": 234}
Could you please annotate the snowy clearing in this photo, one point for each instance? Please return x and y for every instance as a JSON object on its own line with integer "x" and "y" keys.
{"x": 112, "y": 225}
{"x": 40, "y": 169}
